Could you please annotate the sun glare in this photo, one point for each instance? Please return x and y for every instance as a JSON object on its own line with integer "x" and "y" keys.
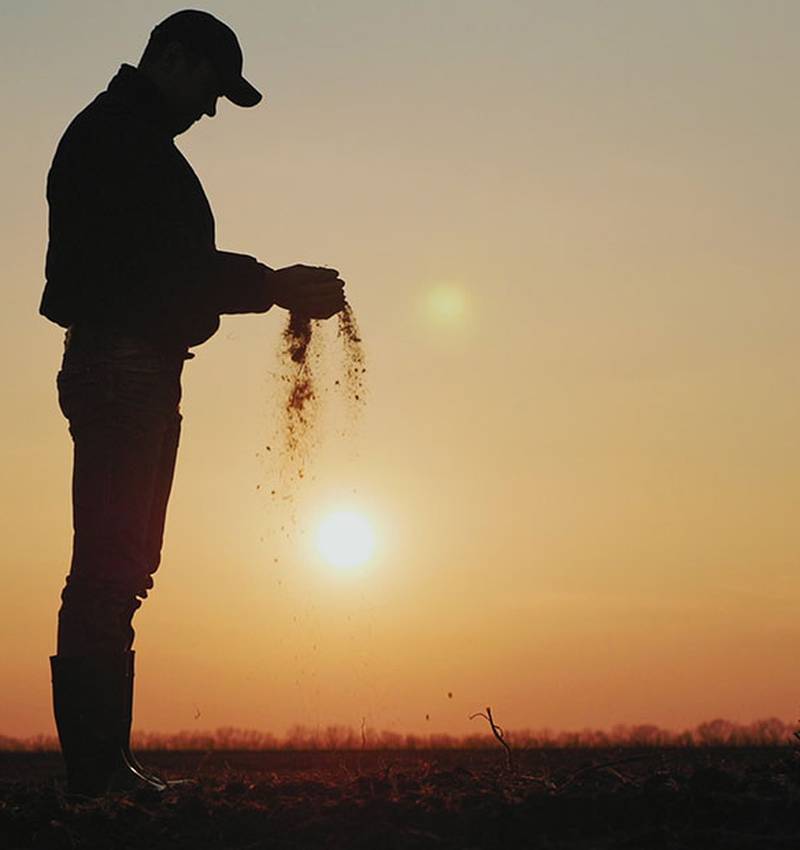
{"x": 345, "y": 539}
{"x": 446, "y": 304}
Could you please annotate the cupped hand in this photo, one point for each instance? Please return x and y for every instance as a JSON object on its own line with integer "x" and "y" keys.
{"x": 311, "y": 291}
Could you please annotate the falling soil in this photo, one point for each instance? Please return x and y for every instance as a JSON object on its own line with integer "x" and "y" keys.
{"x": 353, "y": 355}
{"x": 303, "y": 393}
{"x": 302, "y": 396}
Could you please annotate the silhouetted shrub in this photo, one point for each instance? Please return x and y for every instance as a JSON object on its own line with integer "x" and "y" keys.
{"x": 714, "y": 733}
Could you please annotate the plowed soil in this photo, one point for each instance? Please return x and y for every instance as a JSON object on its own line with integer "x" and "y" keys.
{"x": 588, "y": 799}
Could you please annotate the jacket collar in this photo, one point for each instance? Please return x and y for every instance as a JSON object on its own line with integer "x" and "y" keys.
{"x": 133, "y": 88}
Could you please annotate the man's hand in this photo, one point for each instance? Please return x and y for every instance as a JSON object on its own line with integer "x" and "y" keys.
{"x": 311, "y": 291}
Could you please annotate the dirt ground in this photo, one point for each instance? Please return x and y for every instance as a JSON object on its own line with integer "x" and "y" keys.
{"x": 388, "y": 800}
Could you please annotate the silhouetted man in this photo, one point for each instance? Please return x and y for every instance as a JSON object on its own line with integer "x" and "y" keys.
{"x": 134, "y": 274}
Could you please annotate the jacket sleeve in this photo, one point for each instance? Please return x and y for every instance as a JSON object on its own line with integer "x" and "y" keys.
{"x": 239, "y": 284}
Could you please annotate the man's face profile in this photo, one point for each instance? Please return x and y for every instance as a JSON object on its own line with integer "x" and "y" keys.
{"x": 189, "y": 83}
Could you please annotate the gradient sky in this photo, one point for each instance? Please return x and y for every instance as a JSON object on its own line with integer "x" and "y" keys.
{"x": 584, "y": 481}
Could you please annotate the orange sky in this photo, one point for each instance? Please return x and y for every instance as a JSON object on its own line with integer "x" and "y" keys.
{"x": 583, "y": 480}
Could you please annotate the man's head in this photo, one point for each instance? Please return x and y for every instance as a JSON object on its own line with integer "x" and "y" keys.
{"x": 194, "y": 59}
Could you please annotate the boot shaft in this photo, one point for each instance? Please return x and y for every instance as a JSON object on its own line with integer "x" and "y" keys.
{"x": 91, "y": 704}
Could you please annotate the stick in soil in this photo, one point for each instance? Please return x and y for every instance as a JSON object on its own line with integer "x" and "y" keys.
{"x": 498, "y": 733}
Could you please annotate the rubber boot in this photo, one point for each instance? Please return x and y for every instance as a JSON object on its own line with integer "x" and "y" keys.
{"x": 89, "y": 703}
{"x": 127, "y": 723}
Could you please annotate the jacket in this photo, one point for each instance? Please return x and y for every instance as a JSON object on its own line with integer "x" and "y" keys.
{"x": 131, "y": 233}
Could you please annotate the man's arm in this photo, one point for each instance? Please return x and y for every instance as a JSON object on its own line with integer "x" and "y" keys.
{"x": 314, "y": 291}
{"x": 238, "y": 283}
{"x": 124, "y": 244}
{"x": 131, "y": 231}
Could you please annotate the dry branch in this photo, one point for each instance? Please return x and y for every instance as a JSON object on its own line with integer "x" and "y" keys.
{"x": 498, "y": 733}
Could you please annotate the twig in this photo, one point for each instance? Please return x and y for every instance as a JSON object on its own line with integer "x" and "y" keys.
{"x": 498, "y": 733}
{"x": 611, "y": 764}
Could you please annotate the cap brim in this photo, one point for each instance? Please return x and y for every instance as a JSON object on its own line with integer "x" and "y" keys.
{"x": 242, "y": 93}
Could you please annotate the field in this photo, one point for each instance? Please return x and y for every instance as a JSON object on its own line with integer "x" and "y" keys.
{"x": 704, "y": 798}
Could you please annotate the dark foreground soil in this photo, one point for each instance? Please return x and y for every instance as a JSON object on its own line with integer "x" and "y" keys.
{"x": 588, "y": 799}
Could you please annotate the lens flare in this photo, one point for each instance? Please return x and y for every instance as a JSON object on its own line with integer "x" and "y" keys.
{"x": 446, "y": 304}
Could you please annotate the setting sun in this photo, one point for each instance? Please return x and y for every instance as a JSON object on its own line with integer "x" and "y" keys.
{"x": 345, "y": 539}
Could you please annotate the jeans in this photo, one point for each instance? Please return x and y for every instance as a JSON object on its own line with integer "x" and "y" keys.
{"x": 121, "y": 397}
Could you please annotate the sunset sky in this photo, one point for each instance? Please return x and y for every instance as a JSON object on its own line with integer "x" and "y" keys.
{"x": 569, "y": 232}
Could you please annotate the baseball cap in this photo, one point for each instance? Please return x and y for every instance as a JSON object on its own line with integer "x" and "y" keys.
{"x": 207, "y": 36}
